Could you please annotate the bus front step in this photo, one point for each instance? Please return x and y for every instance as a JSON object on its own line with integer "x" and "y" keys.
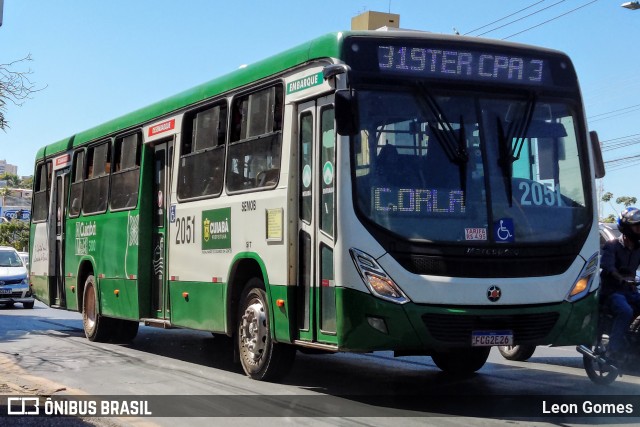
{"x": 157, "y": 323}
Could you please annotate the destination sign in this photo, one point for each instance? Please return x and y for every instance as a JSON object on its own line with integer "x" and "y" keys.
{"x": 418, "y": 201}
{"x": 463, "y": 64}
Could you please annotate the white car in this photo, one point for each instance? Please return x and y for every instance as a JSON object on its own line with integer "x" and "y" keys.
{"x": 25, "y": 259}
{"x": 14, "y": 279}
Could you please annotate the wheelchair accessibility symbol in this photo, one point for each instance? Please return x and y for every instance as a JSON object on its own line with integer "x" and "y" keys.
{"x": 503, "y": 230}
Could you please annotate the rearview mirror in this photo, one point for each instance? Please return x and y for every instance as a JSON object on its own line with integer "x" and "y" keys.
{"x": 346, "y": 110}
{"x": 542, "y": 129}
{"x": 598, "y": 163}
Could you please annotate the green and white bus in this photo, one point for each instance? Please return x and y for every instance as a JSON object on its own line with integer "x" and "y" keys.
{"x": 364, "y": 191}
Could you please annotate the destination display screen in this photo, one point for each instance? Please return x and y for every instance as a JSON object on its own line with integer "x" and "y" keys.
{"x": 417, "y": 201}
{"x": 461, "y": 60}
{"x": 463, "y": 64}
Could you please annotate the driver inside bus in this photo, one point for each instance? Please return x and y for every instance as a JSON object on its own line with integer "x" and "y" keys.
{"x": 619, "y": 262}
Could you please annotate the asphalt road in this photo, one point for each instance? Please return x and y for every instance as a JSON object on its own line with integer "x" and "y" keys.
{"x": 189, "y": 379}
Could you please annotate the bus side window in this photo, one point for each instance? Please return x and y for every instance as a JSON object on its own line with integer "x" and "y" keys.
{"x": 256, "y": 140}
{"x": 126, "y": 176}
{"x": 96, "y": 198}
{"x": 42, "y": 189}
{"x": 201, "y": 168}
{"x": 77, "y": 184}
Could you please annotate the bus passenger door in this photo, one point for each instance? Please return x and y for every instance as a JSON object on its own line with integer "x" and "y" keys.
{"x": 161, "y": 179}
{"x": 316, "y": 311}
{"x": 58, "y": 296}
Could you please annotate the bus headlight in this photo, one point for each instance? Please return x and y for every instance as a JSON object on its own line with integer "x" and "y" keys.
{"x": 582, "y": 285}
{"x": 376, "y": 279}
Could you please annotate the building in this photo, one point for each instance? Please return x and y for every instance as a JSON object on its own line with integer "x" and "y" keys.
{"x": 371, "y": 20}
{"x": 8, "y": 168}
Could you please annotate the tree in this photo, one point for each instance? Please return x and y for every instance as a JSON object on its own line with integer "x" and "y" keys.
{"x": 4, "y": 192}
{"x": 16, "y": 234}
{"x": 626, "y": 201}
{"x": 12, "y": 180}
{"x": 15, "y": 86}
{"x": 622, "y": 200}
{"x": 27, "y": 182}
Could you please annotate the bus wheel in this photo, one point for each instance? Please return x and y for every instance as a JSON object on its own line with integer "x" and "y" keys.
{"x": 261, "y": 358}
{"x": 96, "y": 327}
{"x": 517, "y": 352}
{"x": 461, "y": 361}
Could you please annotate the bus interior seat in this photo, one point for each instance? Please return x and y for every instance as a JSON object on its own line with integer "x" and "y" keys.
{"x": 389, "y": 169}
{"x": 267, "y": 177}
{"x": 439, "y": 170}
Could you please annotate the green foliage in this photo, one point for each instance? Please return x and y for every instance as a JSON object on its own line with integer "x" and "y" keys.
{"x": 622, "y": 200}
{"x": 626, "y": 201}
{"x": 16, "y": 234}
{"x": 27, "y": 182}
{"x": 13, "y": 181}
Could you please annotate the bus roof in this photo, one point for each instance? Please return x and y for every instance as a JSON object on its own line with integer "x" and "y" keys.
{"x": 328, "y": 45}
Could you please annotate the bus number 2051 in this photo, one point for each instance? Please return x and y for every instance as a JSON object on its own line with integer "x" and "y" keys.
{"x": 186, "y": 232}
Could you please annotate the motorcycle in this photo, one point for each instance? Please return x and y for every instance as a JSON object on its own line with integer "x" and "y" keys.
{"x": 599, "y": 367}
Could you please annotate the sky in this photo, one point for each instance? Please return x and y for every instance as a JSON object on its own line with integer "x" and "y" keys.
{"x": 96, "y": 60}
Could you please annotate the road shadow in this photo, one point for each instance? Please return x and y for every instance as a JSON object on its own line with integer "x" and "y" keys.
{"x": 375, "y": 384}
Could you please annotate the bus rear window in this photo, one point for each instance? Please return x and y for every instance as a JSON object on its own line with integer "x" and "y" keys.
{"x": 42, "y": 189}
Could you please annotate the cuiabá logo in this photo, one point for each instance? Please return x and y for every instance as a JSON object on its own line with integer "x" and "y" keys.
{"x": 205, "y": 229}
{"x": 216, "y": 233}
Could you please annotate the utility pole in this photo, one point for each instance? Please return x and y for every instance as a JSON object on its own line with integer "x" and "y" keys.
{"x": 1, "y": 8}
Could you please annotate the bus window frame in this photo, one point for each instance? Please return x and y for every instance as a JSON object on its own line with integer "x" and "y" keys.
{"x": 74, "y": 166}
{"x": 277, "y": 123}
{"x": 187, "y": 138}
{"x": 47, "y": 189}
{"x": 137, "y": 166}
{"x": 93, "y": 178}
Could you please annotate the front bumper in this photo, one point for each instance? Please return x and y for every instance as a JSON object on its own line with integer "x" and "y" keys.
{"x": 15, "y": 293}
{"x": 421, "y": 328}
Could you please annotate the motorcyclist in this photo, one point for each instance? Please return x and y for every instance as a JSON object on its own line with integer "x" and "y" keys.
{"x": 619, "y": 261}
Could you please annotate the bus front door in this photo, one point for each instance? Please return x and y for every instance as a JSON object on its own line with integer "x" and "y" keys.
{"x": 162, "y": 173}
{"x": 316, "y": 313}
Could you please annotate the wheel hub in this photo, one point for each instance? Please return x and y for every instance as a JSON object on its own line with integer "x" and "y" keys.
{"x": 253, "y": 330}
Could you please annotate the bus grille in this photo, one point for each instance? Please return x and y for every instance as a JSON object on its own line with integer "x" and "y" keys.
{"x": 12, "y": 281}
{"x": 14, "y": 294}
{"x": 457, "y": 328}
{"x": 484, "y": 267}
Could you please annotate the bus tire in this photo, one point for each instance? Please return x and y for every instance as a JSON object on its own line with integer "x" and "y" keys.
{"x": 518, "y": 353}
{"x": 125, "y": 330}
{"x": 260, "y": 357}
{"x": 97, "y": 328}
{"x": 461, "y": 361}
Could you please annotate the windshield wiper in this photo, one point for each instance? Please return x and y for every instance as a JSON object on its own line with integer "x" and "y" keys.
{"x": 453, "y": 143}
{"x": 510, "y": 143}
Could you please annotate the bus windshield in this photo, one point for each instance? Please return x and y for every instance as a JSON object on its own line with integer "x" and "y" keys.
{"x": 448, "y": 166}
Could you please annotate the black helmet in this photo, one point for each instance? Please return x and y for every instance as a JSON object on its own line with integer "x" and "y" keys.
{"x": 628, "y": 217}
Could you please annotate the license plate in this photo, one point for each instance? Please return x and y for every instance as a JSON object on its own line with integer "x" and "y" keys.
{"x": 491, "y": 338}
{"x": 5, "y": 291}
